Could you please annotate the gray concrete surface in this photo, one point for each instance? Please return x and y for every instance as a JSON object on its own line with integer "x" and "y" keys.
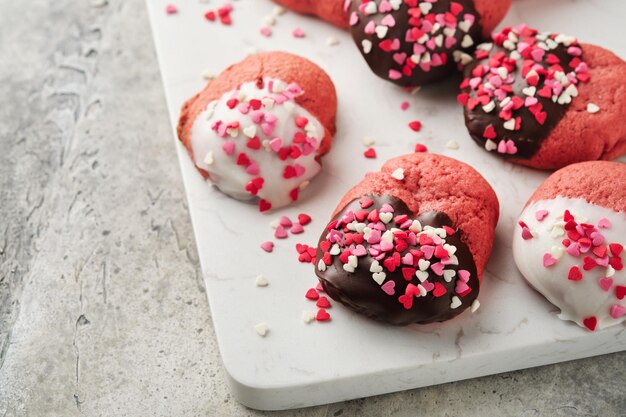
{"x": 102, "y": 309}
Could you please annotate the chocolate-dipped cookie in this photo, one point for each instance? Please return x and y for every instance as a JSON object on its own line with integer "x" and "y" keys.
{"x": 545, "y": 100}
{"x": 259, "y": 129}
{"x": 409, "y": 243}
{"x": 411, "y": 42}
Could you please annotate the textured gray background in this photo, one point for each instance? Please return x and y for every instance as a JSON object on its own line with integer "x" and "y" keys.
{"x": 102, "y": 306}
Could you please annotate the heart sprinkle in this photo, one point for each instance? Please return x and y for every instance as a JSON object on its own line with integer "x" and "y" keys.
{"x": 516, "y": 82}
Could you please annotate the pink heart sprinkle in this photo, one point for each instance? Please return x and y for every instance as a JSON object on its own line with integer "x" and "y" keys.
{"x": 407, "y": 259}
{"x": 384, "y": 7}
{"x": 526, "y": 234}
{"x": 170, "y": 9}
{"x": 573, "y": 249}
{"x": 267, "y": 246}
{"x": 253, "y": 169}
{"x": 428, "y": 286}
{"x": 596, "y": 238}
{"x": 449, "y": 42}
{"x": 428, "y": 251}
{"x": 374, "y": 237}
{"x": 280, "y": 232}
{"x": 604, "y": 223}
{"x": 275, "y": 144}
{"x": 386, "y": 208}
{"x": 354, "y": 19}
{"x": 548, "y": 260}
{"x": 463, "y": 275}
{"x": 359, "y": 251}
{"x": 399, "y": 57}
{"x": 394, "y": 74}
{"x": 617, "y": 311}
{"x": 268, "y": 128}
{"x": 370, "y": 28}
{"x": 605, "y": 283}
{"x": 298, "y": 33}
{"x": 437, "y": 268}
{"x": 285, "y": 221}
{"x": 228, "y": 147}
{"x": 296, "y": 229}
{"x": 461, "y": 287}
{"x": 388, "y": 21}
{"x": 541, "y": 214}
{"x": 299, "y": 169}
{"x": 386, "y": 246}
{"x": 389, "y": 287}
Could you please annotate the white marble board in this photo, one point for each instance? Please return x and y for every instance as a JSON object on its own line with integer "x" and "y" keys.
{"x": 296, "y": 364}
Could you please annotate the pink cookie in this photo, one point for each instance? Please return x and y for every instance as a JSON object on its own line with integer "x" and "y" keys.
{"x": 409, "y": 243}
{"x": 570, "y": 239}
{"x": 544, "y": 100}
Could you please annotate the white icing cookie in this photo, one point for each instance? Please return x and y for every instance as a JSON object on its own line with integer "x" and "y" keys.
{"x": 575, "y": 262}
{"x": 258, "y": 143}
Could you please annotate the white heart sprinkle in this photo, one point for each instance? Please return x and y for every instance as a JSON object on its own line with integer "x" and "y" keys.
{"x": 353, "y": 261}
{"x": 395, "y": 4}
{"x": 416, "y": 226}
{"x": 398, "y": 174}
{"x": 370, "y": 8}
{"x": 321, "y": 266}
{"x": 592, "y": 108}
{"x": 529, "y": 91}
{"x": 381, "y": 31}
{"x": 368, "y": 141}
{"x": 465, "y": 25}
{"x": 375, "y": 266}
{"x": 489, "y": 106}
{"x": 261, "y": 281}
{"x": 335, "y": 250}
{"x": 474, "y": 306}
{"x": 348, "y": 268}
{"x": 367, "y": 46}
{"x": 386, "y": 217}
{"x": 208, "y": 158}
{"x": 455, "y": 302}
{"x": 250, "y": 131}
{"x": 452, "y": 144}
{"x": 332, "y": 41}
{"x": 379, "y": 277}
{"x": 423, "y": 291}
{"x": 421, "y": 275}
{"x": 467, "y": 41}
{"x": 423, "y": 264}
{"x": 557, "y": 251}
{"x": 308, "y": 316}
{"x": 425, "y": 7}
{"x": 509, "y": 124}
{"x": 261, "y": 329}
{"x": 610, "y": 271}
{"x": 490, "y": 145}
{"x": 448, "y": 274}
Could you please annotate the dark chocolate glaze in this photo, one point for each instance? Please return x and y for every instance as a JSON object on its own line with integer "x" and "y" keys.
{"x": 529, "y": 137}
{"x": 361, "y": 293}
{"x": 381, "y": 62}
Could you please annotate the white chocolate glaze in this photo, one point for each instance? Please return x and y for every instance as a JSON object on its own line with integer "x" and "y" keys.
{"x": 577, "y": 299}
{"x": 216, "y": 149}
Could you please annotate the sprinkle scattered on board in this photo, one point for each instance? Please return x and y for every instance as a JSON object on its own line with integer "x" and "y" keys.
{"x": 171, "y": 9}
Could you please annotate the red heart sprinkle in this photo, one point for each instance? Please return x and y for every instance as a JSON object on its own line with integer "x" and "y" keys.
{"x": 293, "y": 194}
{"x": 322, "y": 315}
{"x": 420, "y": 148}
{"x": 591, "y": 323}
{"x": 439, "y": 290}
{"x": 254, "y": 143}
{"x": 408, "y": 273}
{"x": 264, "y": 205}
{"x": 589, "y": 263}
{"x": 574, "y": 274}
{"x": 616, "y": 248}
{"x": 324, "y": 245}
{"x": 323, "y": 302}
{"x": 312, "y": 294}
{"x": 620, "y": 292}
{"x": 370, "y": 153}
{"x": 406, "y": 300}
{"x": 243, "y": 160}
{"x": 489, "y": 133}
{"x": 415, "y": 125}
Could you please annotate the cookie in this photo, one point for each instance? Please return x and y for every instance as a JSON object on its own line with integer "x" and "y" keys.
{"x": 259, "y": 129}
{"x": 569, "y": 244}
{"x": 332, "y": 11}
{"x": 409, "y": 243}
{"x": 544, "y": 100}
{"x": 413, "y": 43}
